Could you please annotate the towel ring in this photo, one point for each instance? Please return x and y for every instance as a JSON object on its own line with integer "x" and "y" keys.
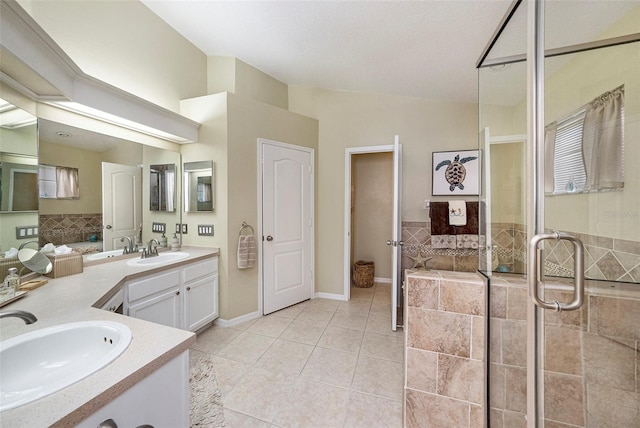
{"x": 244, "y": 226}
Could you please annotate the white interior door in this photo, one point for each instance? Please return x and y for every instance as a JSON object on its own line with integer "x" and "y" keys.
{"x": 121, "y": 203}
{"x": 287, "y": 225}
{"x": 396, "y": 286}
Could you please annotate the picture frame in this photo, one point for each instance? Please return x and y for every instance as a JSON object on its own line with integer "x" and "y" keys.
{"x": 456, "y": 173}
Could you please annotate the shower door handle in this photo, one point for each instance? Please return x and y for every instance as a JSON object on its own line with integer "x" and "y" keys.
{"x": 535, "y": 272}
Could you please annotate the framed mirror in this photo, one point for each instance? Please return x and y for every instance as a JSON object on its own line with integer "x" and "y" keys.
{"x": 199, "y": 186}
{"x": 162, "y": 187}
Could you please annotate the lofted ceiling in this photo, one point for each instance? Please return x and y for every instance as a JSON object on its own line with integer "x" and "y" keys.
{"x": 423, "y": 48}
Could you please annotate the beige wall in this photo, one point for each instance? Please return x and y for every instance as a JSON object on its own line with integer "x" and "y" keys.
{"x": 231, "y": 126}
{"x": 372, "y": 183}
{"x": 89, "y": 165}
{"x": 354, "y": 119}
{"x": 125, "y": 44}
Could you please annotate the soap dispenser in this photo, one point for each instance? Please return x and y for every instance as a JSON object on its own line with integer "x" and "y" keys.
{"x": 10, "y": 285}
{"x": 163, "y": 241}
{"x": 175, "y": 243}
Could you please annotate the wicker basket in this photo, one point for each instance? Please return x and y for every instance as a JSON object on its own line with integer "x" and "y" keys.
{"x": 363, "y": 273}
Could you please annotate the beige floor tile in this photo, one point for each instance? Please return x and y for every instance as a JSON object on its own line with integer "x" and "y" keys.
{"x": 353, "y": 320}
{"x": 228, "y": 374}
{"x": 291, "y": 311}
{"x": 356, "y": 305}
{"x": 324, "y": 304}
{"x": 379, "y": 377}
{"x": 381, "y": 309}
{"x": 362, "y": 293}
{"x": 313, "y": 404}
{"x": 365, "y": 411}
{"x": 247, "y": 347}
{"x": 315, "y": 315}
{"x": 285, "y": 356}
{"x": 245, "y": 325}
{"x": 341, "y": 339}
{"x": 303, "y": 332}
{"x": 260, "y": 393}
{"x": 381, "y": 325}
{"x": 269, "y": 326}
{"x": 330, "y": 366}
{"x": 383, "y": 346}
{"x": 234, "y": 419}
{"x": 214, "y": 339}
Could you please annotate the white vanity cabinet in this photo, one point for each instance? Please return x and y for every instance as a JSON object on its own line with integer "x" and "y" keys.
{"x": 159, "y": 400}
{"x": 185, "y": 297}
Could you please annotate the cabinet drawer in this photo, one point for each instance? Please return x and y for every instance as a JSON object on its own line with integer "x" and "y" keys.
{"x": 200, "y": 269}
{"x": 154, "y": 284}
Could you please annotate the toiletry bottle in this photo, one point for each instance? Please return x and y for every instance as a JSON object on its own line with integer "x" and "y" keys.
{"x": 11, "y": 284}
{"x": 175, "y": 243}
{"x": 163, "y": 241}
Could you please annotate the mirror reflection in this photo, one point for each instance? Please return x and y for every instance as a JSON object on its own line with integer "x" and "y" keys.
{"x": 162, "y": 187}
{"x": 198, "y": 186}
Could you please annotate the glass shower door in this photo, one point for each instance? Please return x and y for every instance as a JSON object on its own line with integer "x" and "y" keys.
{"x": 573, "y": 359}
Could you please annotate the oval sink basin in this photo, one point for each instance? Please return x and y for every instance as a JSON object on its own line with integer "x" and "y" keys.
{"x": 160, "y": 259}
{"x": 36, "y": 364}
{"x": 103, "y": 255}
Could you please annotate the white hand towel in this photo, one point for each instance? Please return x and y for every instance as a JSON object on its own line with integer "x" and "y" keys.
{"x": 246, "y": 252}
{"x": 457, "y": 213}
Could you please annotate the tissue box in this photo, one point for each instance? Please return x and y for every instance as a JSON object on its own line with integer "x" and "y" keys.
{"x": 65, "y": 264}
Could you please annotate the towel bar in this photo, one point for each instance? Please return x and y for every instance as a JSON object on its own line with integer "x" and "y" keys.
{"x": 244, "y": 226}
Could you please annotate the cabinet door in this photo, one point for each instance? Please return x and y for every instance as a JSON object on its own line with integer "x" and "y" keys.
{"x": 162, "y": 308}
{"x": 200, "y": 302}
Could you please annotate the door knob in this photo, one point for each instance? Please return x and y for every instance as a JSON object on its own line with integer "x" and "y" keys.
{"x": 269, "y": 238}
{"x": 389, "y": 242}
{"x": 108, "y": 226}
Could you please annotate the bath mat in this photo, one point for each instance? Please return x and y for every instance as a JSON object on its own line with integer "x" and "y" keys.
{"x": 205, "y": 399}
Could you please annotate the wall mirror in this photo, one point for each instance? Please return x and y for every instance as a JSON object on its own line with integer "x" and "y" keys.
{"x": 199, "y": 190}
{"x": 162, "y": 187}
{"x": 18, "y": 170}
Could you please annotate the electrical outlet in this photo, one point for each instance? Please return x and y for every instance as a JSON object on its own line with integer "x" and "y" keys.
{"x": 184, "y": 228}
{"x": 205, "y": 230}
{"x": 178, "y": 227}
{"x": 158, "y": 227}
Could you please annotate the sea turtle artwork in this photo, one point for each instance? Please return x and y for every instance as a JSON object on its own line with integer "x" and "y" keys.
{"x": 455, "y": 172}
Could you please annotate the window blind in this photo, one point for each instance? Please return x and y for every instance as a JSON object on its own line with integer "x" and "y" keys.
{"x": 568, "y": 167}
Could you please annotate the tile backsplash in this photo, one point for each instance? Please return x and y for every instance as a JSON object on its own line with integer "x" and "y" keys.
{"x": 60, "y": 229}
{"x": 605, "y": 258}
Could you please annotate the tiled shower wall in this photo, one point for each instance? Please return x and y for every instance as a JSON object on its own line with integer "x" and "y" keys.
{"x": 592, "y": 361}
{"x": 605, "y": 258}
{"x": 60, "y": 229}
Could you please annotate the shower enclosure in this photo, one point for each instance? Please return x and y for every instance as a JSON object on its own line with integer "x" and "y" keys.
{"x": 559, "y": 116}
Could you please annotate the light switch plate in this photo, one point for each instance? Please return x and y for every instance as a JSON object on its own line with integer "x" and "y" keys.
{"x": 159, "y": 227}
{"x": 205, "y": 230}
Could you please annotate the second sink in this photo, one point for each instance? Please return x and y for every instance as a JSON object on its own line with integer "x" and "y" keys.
{"x": 160, "y": 259}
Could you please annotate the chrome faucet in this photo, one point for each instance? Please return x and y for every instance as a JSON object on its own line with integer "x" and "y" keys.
{"x": 128, "y": 249}
{"x": 25, "y": 316}
{"x": 151, "y": 250}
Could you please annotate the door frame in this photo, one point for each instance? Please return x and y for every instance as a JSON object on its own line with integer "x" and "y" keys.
{"x": 261, "y": 142}
{"x": 348, "y": 153}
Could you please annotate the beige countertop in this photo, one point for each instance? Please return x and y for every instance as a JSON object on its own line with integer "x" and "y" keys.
{"x": 72, "y": 298}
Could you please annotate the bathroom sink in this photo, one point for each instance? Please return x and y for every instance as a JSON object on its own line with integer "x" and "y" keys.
{"x": 103, "y": 255}
{"x": 162, "y": 258}
{"x": 36, "y": 364}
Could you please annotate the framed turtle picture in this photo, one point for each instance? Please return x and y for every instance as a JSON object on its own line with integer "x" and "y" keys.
{"x": 456, "y": 173}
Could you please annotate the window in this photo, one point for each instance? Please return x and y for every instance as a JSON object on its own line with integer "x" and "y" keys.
{"x": 568, "y": 167}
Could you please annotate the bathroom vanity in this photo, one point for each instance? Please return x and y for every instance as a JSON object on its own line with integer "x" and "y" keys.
{"x": 155, "y": 356}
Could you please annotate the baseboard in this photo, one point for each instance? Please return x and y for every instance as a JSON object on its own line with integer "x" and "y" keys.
{"x": 320, "y": 295}
{"x": 382, "y": 280}
{"x": 237, "y": 320}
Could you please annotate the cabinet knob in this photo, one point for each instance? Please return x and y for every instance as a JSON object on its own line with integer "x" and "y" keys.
{"x": 109, "y": 423}
{"x": 177, "y": 293}
{"x": 188, "y": 288}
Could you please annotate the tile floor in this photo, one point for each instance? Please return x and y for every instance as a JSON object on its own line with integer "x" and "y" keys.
{"x": 321, "y": 363}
